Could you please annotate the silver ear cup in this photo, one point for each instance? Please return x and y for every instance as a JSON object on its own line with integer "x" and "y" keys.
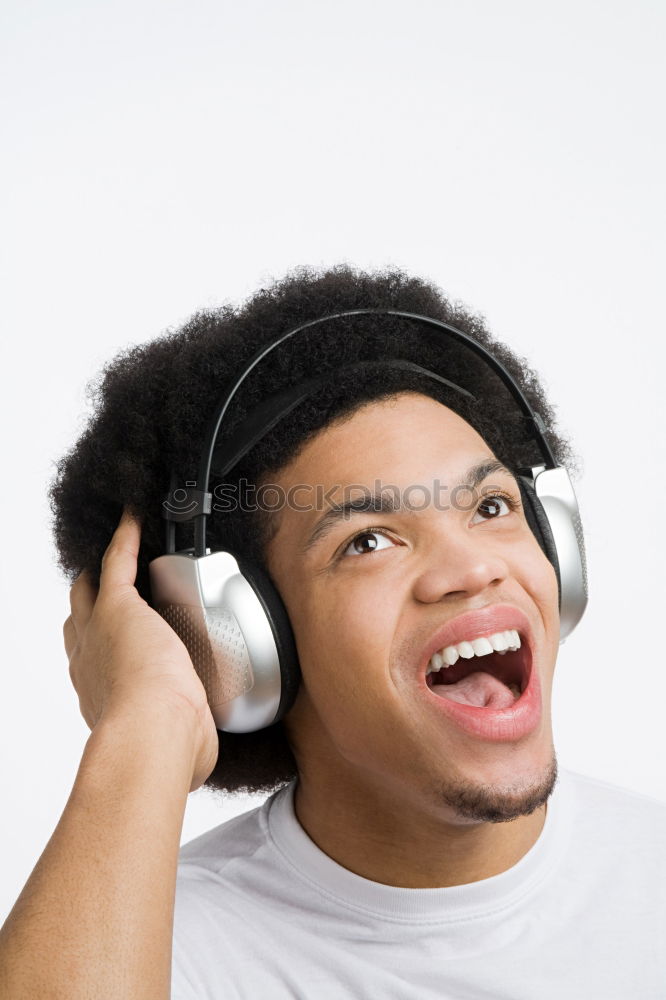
{"x": 554, "y": 489}
{"x": 217, "y": 614}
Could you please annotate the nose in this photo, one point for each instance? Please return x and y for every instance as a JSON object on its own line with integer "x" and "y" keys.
{"x": 458, "y": 567}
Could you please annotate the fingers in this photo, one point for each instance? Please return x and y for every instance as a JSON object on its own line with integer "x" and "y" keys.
{"x": 119, "y": 562}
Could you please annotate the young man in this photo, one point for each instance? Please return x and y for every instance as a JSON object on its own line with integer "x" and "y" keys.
{"x": 403, "y": 852}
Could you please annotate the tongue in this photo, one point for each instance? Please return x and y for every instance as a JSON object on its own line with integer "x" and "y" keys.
{"x": 479, "y": 688}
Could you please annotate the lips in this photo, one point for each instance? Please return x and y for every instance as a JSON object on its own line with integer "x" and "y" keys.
{"x": 501, "y": 725}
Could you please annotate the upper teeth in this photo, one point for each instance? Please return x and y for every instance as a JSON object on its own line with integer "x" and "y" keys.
{"x": 498, "y": 642}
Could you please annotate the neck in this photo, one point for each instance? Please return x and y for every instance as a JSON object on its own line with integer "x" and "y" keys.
{"x": 412, "y": 842}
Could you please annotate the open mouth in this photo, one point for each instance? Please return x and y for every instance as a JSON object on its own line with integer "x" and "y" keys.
{"x": 493, "y": 680}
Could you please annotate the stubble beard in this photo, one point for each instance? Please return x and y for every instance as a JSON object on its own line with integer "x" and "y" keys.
{"x": 494, "y": 804}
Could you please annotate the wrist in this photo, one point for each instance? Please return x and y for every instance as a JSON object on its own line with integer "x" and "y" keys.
{"x": 144, "y": 733}
{"x": 151, "y": 709}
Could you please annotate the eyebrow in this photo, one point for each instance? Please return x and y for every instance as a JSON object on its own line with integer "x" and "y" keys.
{"x": 386, "y": 504}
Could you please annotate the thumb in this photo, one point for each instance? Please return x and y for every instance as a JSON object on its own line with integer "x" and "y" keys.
{"x": 119, "y": 562}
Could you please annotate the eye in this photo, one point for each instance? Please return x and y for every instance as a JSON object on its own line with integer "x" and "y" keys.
{"x": 491, "y": 504}
{"x": 354, "y": 548}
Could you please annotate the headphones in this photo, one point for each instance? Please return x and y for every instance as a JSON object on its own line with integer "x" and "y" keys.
{"x": 227, "y": 611}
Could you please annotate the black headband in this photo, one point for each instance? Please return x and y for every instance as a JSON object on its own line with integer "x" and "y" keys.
{"x": 269, "y": 412}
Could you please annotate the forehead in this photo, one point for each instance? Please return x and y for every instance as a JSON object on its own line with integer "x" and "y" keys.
{"x": 403, "y": 436}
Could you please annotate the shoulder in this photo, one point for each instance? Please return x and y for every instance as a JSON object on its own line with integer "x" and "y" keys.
{"x": 212, "y": 878}
{"x": 618, "y": 816}
{"x": 611, "y": 795}
{"x": 212, "y": 850}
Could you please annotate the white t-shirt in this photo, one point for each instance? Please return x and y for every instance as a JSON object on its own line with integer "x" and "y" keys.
{"x": 263, "y": 914}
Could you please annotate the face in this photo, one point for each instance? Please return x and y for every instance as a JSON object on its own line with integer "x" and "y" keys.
{"x": 367, "y": 597}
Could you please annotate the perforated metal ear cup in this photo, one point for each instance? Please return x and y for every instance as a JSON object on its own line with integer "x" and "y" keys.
{"x": 538, "y": 522}
{"x": 236, "y": 630}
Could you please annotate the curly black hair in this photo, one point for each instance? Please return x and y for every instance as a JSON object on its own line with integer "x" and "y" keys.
{"x": 152, "y": 404}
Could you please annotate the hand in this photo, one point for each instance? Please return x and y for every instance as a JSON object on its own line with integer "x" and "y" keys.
{"x": 123, "y": 656}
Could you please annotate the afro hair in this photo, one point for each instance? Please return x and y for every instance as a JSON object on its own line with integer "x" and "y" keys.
{"x": 152, "y": 404}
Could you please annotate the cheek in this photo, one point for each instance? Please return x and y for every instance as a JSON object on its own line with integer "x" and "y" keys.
{"x": 344, "y": 633}
{"x": 548, "y": 580}
{"x": 537, "y": 576}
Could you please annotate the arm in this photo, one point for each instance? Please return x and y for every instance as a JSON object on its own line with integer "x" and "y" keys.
{"x": 96, "y": 916}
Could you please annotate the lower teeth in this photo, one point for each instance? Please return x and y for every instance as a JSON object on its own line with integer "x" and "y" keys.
{"x": 514, "y": 689}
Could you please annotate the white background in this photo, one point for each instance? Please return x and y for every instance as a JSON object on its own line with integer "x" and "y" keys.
{"x": 161, "y": 157}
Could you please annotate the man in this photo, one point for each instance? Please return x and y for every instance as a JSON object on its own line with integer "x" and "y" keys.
{"x": 404, "y": 851}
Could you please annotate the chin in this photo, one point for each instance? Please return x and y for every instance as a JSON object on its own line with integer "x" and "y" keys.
{"x": 502, "y": 791}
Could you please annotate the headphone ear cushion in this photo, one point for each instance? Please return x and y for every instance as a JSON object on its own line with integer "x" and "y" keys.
{"x": 540, "y": 527}
{"x": 278, "y": 619}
